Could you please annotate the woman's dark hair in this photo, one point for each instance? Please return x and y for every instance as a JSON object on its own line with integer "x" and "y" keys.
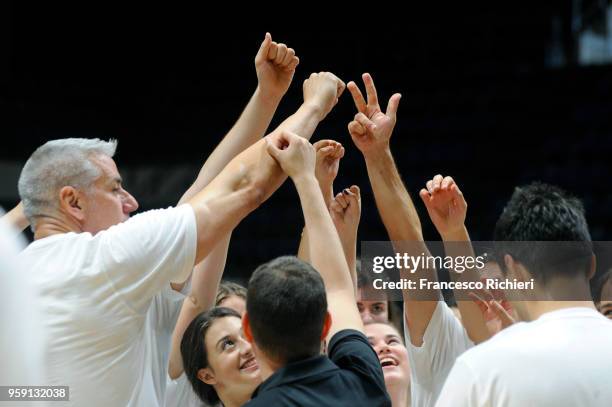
{"x": 193, "y": 350}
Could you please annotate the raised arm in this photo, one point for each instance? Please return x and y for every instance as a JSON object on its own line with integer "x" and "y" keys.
{"x": 345, "y": 211}
{"x": 252, "y": 176}
{"x": 371, "y": 131}
{"x": 275, "y": 66}
{"x": 447, "y": 210}
{"x": 298, "y": 161}
{"x": 329, "y": 153}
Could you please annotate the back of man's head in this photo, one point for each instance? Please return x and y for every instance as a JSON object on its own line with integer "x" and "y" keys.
{"x": 287, "y": 306}
{"x": 56, "y": 164}
{"x": 541, "y": 214}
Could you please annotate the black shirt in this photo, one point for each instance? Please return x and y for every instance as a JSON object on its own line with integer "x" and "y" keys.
{"x": 351, "y": 376}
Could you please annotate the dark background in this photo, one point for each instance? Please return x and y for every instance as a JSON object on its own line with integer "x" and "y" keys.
{"x": 495, "y": 97}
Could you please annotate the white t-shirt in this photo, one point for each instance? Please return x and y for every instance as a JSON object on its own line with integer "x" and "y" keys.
{"x": 179, "y": 393}
{"x": 443, "y": 341}
{"x": 160, "y": 322}
{"x": 95, "y": 292}
{"x": 564, "y": 358}
{"x": 21, "y": 335}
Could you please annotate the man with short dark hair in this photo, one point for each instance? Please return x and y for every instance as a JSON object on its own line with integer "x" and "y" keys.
{"x": 562, "y": 357}
{"x": 292, "y": 307}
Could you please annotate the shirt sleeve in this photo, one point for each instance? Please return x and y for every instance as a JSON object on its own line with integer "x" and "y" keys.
{"x": 144, "y": 254}
{"x": 350, "y": 350}
{"x": 460, "y": 388}
{"x": 444, "y": 341}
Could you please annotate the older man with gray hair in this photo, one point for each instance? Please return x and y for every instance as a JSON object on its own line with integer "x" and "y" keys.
{"x": 97, "y": 270}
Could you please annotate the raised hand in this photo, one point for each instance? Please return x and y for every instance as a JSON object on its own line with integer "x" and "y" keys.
{"x": 321, "y": 91}
{"x": 294, "y": 154}
{"x": 496, "y": 313}
{"x": 345, "y": 210}
{"x": 329, "y": 153}
{"x": 445, "y": 204}
{"x": 371, "y": 128}
{"x": 275, "y": 66}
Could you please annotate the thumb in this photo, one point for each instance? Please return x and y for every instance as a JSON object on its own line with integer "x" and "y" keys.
{"x": 273, "y": 150}
{"x": 263, "y": 49}
{"x": 393, "y": 105}
{"x": 325, "y": 151}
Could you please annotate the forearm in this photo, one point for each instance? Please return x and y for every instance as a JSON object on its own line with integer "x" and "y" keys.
{"x": 396, "y": 209}
{"x": 327, "y": 189}
{"x": 349, "y": 246}
{"x": 246, "y": 182}
{"x": 457, "y": 244}
{"x": 328, "y": 196}
{"x": 204, "y": 285}
{"x": 394, "y": 204}
{"x": 249, "y": 128}
{"x": 303, "y": 249}
{"x": 16, "y": 218}
{"x": 403, "y": 225}
{"x": 323, "y": 239}
{"x": 326, "y": 258}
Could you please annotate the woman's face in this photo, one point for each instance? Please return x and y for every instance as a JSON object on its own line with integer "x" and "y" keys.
{"x": 373, "y": 311}
{"x": 391, "y": 352}
{"x": 232, "y": 368}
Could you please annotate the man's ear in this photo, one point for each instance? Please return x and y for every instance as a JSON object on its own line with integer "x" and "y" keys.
{"x": 593, "y": 267}
{"x": 246, "y": 328}
{"x": 72, "y": 203}
{"x": 207, "y": 376}
{"x": 326, "y": 325}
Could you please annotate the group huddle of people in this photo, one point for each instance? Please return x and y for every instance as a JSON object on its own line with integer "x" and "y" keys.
{"x": 134, "y": 310}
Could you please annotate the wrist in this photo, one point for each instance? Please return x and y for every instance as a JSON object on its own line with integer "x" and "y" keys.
{"x": 459, "y": 234}
{"x": 378, "y": 154}
{"x": 327, "y": 189}
{"x": 271, "y": 99}
{"x": 313, "y": 109}
{"x": 304, "y": 180}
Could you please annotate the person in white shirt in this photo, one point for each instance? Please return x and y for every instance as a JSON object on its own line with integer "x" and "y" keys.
{"x": 97, "y": 270}
{"x": 21, "y": 333}
{"x": 179, "y": 391}
{"x": 562, "y": 355}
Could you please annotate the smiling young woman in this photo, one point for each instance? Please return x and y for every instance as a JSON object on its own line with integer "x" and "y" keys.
{"x": 218, "y": 361}
{"x": 393, "y": 356}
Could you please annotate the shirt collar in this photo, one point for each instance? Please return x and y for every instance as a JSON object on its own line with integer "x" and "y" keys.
{"x": 297, "y": 372}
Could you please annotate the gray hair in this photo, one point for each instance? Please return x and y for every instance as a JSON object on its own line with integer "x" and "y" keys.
{"x": 56, "y": 164}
